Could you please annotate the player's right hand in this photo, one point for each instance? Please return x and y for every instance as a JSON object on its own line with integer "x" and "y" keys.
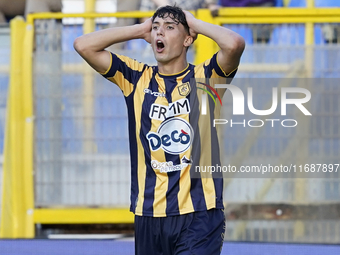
{"x": 147, "y": 26}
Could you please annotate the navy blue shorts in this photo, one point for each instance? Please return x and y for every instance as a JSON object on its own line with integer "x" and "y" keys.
{"x": 197, "y": 233}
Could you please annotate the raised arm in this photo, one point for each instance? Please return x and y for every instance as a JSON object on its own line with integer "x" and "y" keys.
{"x": 230, "y": 43}
{"x": 91, "y": 47}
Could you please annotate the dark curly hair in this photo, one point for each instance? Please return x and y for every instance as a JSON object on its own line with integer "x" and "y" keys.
{"x": 174, "y": 12}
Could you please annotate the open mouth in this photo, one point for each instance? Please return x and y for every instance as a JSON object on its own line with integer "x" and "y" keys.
{"x": 160, "y": 46}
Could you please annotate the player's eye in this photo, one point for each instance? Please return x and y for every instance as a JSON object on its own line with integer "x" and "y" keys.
{"x": 170, "y": 27}
{"x": 154, "y": 27}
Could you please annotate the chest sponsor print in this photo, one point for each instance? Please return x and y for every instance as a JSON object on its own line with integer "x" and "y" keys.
{"x": 162, "y": 112}
{"x": 173, "y": 136}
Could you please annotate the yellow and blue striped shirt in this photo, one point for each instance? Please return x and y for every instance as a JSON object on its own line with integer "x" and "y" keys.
{"x": 169, "y": 137}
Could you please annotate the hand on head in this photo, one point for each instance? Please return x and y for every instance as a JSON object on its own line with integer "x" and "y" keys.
{"x": 191, "y": 21}
{"x": 147, "y": 26}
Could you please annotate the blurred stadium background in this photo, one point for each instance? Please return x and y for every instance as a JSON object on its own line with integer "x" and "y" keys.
{"x": 64, "y": 162}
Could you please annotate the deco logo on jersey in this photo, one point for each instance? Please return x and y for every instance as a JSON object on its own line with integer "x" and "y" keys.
{"x": 174, "y": 136}
{"x": 184, "y": 89}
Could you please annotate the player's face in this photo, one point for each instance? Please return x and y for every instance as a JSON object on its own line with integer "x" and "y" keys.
{"x": 168, "y": 39}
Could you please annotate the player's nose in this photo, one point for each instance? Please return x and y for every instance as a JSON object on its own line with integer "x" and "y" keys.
{"x": 160, "y": 31}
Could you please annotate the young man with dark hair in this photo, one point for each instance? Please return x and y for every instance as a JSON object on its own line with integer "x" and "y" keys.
{"x": 175, "y": 212}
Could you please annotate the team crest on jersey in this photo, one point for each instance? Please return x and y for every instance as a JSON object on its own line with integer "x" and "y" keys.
{"x": 184, "y": 89}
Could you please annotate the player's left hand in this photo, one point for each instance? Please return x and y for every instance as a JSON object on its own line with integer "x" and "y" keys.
{"x": 191, "y": 20}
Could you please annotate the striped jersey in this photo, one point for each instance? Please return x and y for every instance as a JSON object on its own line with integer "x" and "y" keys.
{"x": 169, "y": 137}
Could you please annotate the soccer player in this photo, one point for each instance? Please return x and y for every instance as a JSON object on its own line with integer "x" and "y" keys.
{"x": 176, "y": 212}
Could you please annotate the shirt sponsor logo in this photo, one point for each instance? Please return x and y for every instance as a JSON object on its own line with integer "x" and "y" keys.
{"x": 162, "y": 112}
{"x": 166, "y": 167}
{"x": 156, "y": 94}
{"x": 174, "y": 136}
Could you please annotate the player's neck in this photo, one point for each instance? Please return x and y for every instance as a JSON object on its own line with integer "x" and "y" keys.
{"x": 172, "y": 67}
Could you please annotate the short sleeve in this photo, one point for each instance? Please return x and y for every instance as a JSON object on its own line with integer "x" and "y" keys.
{"x": 125, "y": 72}
{"x": 212, "y": 72}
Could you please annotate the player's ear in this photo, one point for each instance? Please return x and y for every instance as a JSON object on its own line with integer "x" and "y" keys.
{"x": 188, "y": 40}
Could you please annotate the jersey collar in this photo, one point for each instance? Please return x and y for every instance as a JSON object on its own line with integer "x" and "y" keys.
{"x": 173, "y": 75}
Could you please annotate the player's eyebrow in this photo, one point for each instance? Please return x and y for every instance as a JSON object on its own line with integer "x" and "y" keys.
{"x": 166, "y": 22}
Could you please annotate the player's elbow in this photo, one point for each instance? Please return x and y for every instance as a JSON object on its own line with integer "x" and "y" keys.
{"x": 236, "y": 45}
{"x": 232, "y": 44}
{"x": 80, "y": 46}
{"x": 240, "y": 43}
